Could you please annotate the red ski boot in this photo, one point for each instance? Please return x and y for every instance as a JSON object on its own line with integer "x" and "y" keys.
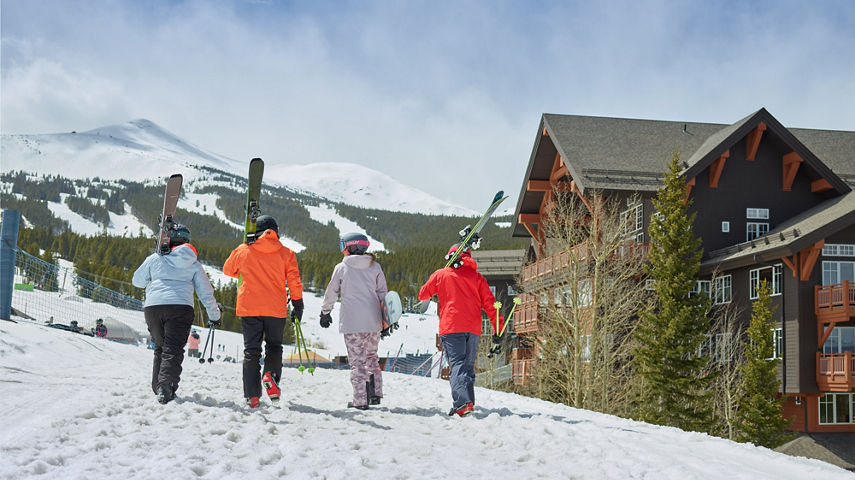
{"x": 270, "y": 386}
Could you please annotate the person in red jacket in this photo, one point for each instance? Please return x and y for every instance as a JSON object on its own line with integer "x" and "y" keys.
{"x": 268, "y": 273}
{"x": 462, "y": 294}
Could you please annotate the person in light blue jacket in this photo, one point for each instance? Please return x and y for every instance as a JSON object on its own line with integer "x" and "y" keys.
{"x": 169, "y": 281}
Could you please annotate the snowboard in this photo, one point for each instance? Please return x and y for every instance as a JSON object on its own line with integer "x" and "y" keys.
{"x": 170, "y": 203}
{"x": 253, "y": 192}
{"x": 469, "y": 238}
{"x": 391, "y": 309}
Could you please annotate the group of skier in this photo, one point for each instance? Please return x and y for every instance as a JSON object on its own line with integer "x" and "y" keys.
{"x": 269, "y": 276}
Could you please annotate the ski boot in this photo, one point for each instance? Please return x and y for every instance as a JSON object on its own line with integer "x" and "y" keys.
{"x": 373, "y": 399}
{"x": 253, "y": 402}
{"x": 462, "y": 411}
{"x": 270, "y": 385}
{"x": 358, "y": 407}
{"x": 165, "y": 394}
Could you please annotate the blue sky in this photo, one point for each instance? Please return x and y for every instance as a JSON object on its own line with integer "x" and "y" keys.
{"x": 445, "y": 96}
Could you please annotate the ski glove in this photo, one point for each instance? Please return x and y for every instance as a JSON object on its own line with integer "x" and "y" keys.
{"x": 326, "y": 320}
{"x": 214, "y": 323}
{"x": 388, "y": 330}
{"x": 496, "y": 348}
{"x": 296, "y": 309}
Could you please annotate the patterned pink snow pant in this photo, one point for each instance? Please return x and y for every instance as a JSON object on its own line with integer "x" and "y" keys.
{"x": 362, "y": 356}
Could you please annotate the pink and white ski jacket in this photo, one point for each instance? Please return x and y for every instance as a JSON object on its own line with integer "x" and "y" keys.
{"x": 360, "y": 282}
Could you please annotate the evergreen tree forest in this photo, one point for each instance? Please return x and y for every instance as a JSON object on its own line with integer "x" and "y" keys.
{"x": 415, "y": 243}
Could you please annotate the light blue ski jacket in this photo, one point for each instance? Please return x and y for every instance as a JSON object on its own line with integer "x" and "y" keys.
{"x": 171, "y": 279}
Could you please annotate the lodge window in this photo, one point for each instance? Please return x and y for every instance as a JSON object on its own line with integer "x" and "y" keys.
{"x": 836, "y": 408}
{"x": 717, "y": 347}
{"x": 725, "y": 227}
{"x": 512, "y": 292}
{"x": 778, "y": 343}
{"x": 586, "y": 348}
{"x": 757, "y": 213}
{"x": 701, "y": 287}
{"x": 771, "y": 274}
{"x": 723, "y": 292}
{"x": 838, "y": 250}
{"x": 840, "y": 340}
{"x": 836, "y": 272}
{"x": 632, "y": 220}
{"x": 584, "y": 293}
{"x": 755, "y": 229}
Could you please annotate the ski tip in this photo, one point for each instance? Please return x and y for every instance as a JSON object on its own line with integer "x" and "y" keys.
{"x": 256, "y": 159}
{"x": 499, "y": 195}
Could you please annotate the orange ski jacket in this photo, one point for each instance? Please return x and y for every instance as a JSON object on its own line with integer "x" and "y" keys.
{"x": 268, "y": 272}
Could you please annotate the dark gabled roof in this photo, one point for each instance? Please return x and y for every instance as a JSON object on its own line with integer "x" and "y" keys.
{"x": 788, "y": 238}
{"x": 725, "y": 138}
{"x": 497, "y": 264}
{"x": 631, "y": 155}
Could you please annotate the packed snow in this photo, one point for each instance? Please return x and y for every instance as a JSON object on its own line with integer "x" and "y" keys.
{"x": 325, "y": 213}
{"x": 81, "y": 407}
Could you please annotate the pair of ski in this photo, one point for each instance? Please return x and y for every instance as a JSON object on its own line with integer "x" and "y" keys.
{"x": 469, "y": 239}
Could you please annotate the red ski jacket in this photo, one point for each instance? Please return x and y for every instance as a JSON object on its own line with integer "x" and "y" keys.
{"x": 266, "y": 269}
{"x": 462, "y": 293}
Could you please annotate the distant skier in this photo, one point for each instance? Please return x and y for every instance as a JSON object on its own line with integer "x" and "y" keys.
{"x": 169, "y": 282}
{"x": 268, "y": 272}
{"x": 193, "y": 344}
{"x": 462, "y": 294}
{"x": 100, "y": 329}
{"x": 360, "y": 282}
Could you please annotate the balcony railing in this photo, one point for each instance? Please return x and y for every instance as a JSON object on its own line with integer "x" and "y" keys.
{"x": 555, "y": 263}
{"x": 523, "y": 370}
{"x": 834, "y": 303}
{"x": 835, "y": 372}
{"x": 525, "y": 319}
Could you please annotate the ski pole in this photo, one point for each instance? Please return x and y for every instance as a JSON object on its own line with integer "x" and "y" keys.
{"x": 517, "y": 301}
{"x": 207, "y": 341}
{"x": 211, "y": 358}
{"x": 306, "y": 349}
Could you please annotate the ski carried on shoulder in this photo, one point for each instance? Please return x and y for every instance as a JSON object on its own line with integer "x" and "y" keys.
{"x": 166, "y": 221}
{"x": 253, "y": 193}
{"x": 469, "y": 239}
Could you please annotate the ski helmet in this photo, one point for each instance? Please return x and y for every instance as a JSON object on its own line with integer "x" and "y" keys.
{"x": 179, "y": 235}
{"x": 266, "y": 222}
{"x": 458, "y": 262}
{"x": 354, "y": 243}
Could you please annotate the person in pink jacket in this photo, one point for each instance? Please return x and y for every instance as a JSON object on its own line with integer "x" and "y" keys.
{"x": 360, "y": 282}
{"x": 193, "y": 343}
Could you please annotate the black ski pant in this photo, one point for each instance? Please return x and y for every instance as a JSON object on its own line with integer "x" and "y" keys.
{"x": 256, "y": 329}
{"x": 169, "y": 326}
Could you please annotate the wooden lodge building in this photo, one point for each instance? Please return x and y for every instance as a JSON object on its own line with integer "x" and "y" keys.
{"x": 772, "y": 203}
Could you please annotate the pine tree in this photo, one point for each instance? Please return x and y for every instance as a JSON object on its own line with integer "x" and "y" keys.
{"x": 759, "y": 418}
{"x": 673, "y": 391}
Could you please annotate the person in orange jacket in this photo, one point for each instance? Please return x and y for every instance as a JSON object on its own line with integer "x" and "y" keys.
{"x": 268, "y": 273}
{"x": 462, "y": 294}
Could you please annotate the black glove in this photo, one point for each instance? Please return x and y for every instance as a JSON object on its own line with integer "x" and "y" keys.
{"x": 326, "y": 320}
{"x": 496, "y": 348}
{"x": 296, "y": 309}
{"x": 388, "y": 330}
{"x": 214, "y": 323}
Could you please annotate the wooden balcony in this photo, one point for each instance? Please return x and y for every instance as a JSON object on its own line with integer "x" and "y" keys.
{"x": 523, "y": 370}
{"x": 834, "y": 303}
{"x": 526, "y": 319}
{"x": 554, "y": 264}
{"x": 835, "y": 372}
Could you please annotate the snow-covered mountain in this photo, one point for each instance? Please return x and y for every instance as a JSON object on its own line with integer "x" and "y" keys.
{"x": 140, "y": 150}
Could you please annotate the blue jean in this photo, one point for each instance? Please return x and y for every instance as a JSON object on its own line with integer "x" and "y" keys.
{"x": 461, "y": 350}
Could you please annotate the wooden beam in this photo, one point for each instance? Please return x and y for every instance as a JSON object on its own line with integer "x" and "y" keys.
{"x": 689, "y": 185}
{"x": 545, "y": 133}
{"x": 793, "y": 264}
{"x": 585, "y": 200}
{"x": 559, "y": 170}
{"x": 791, "y": 162}
{"x": 808, "y": 259}
{"x": 825, "y": 332}
{"x": 529, "y": 218}
{"x": 820, "y": 185}
{"x": 538, "y": 186}
{"x": 752, "y": 141}
{"x": 716, "y": 168}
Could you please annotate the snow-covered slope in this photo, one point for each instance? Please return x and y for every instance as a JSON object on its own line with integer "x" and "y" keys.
{"x": 80, "y": 407}
{"x": 141, "y": 150}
